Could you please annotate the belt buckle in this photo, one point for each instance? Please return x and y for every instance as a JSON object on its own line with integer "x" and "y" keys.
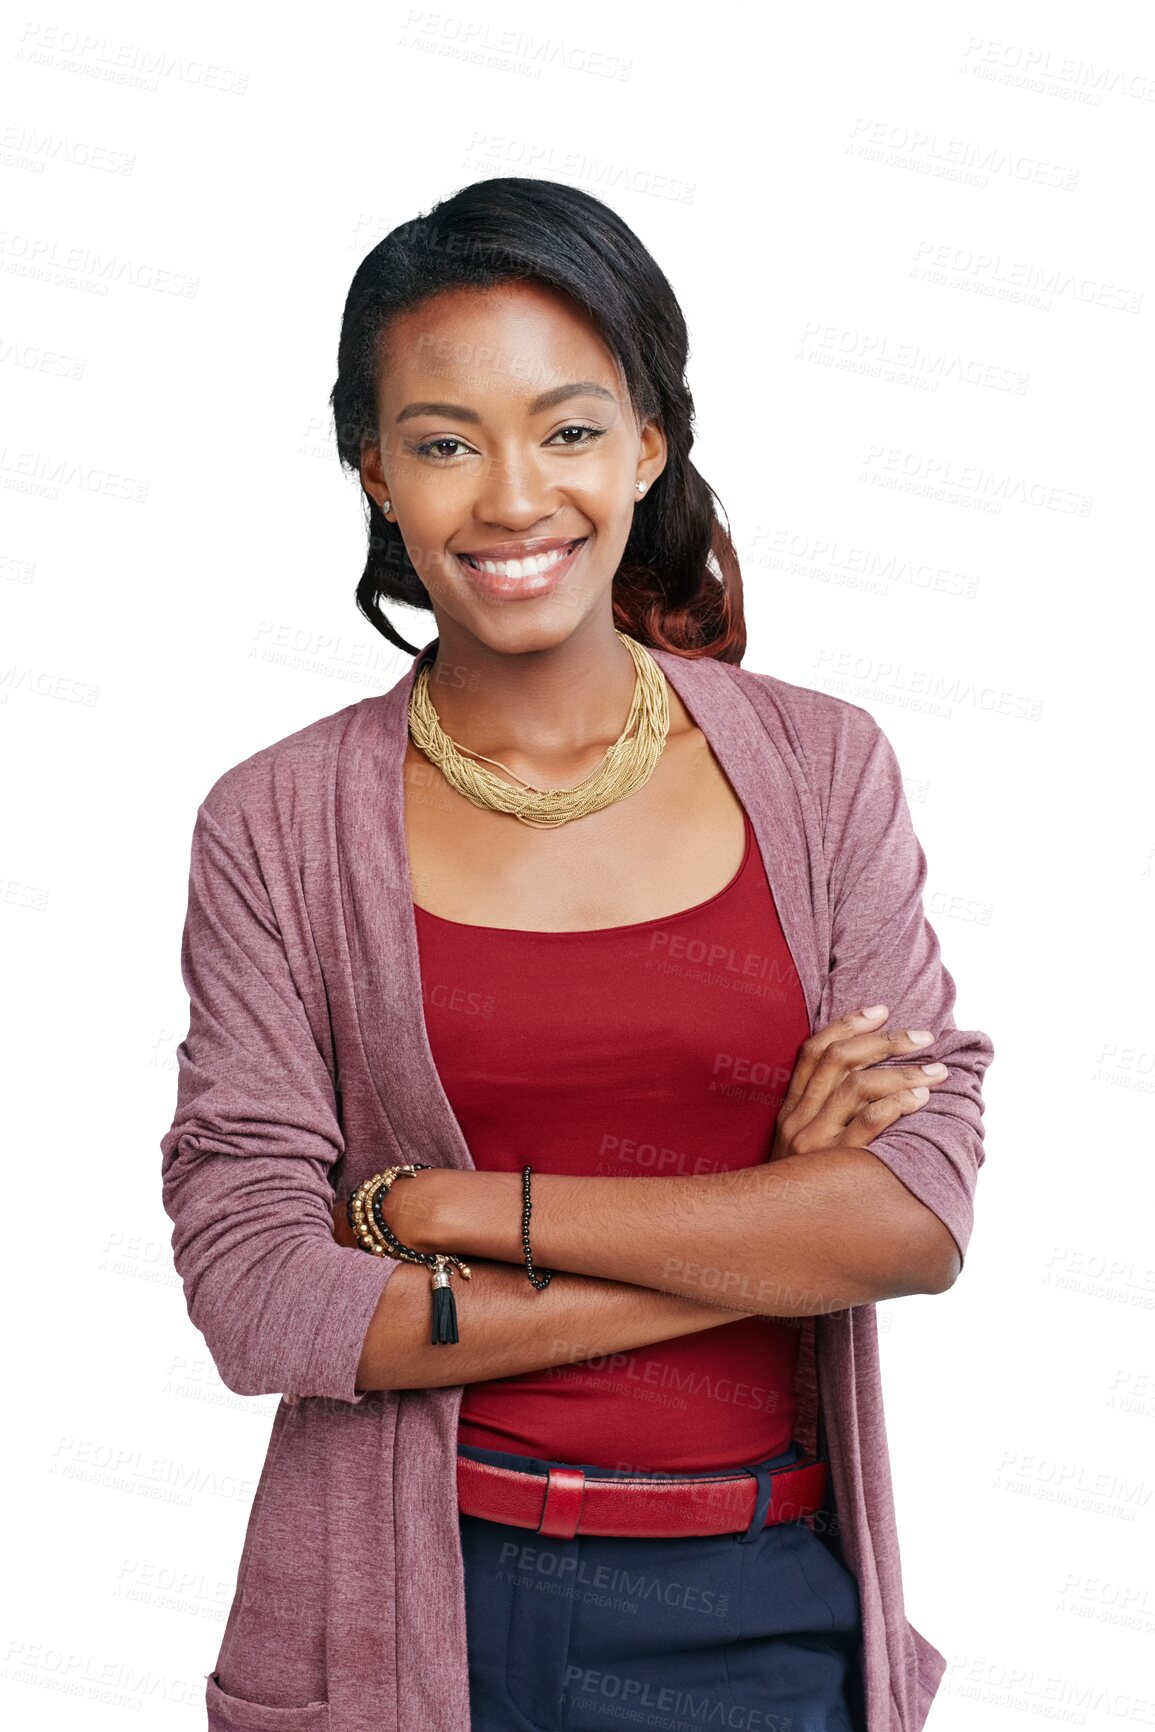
{"x": 564, "y": 1490}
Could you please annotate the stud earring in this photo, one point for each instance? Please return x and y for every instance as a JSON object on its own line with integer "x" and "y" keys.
{"x": 641, "y": 486}
{"x": 385, "y": 504}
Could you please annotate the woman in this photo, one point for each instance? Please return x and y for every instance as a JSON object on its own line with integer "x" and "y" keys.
{"x": 579, "y": 901}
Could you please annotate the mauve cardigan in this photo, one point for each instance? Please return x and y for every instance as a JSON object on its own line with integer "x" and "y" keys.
{"x": 307, "y": 1067}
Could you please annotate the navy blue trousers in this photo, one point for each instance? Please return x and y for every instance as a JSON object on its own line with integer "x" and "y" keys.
{"x": 753, "y": 1632}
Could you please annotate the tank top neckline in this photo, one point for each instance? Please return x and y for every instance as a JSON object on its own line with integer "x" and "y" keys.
{"x": 604, "y": 931}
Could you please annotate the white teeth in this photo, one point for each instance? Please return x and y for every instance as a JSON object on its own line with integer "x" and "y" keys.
{"x": 520, "y": 567}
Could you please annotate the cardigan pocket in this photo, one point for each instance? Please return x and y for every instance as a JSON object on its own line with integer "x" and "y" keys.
{"x": 233, "y": 1714}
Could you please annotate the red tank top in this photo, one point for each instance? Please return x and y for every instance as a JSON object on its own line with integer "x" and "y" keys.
{"x": 663, "y": 1047}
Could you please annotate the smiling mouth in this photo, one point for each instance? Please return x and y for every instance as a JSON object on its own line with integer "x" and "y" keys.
{"x": 532, "y": 566}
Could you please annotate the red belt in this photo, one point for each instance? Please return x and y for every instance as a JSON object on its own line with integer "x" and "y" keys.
{"x": 565, "y": 1502}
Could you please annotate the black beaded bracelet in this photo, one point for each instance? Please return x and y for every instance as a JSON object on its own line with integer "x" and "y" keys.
{"x": 373, "y": 1233}
{"x": 535, "y": 1281}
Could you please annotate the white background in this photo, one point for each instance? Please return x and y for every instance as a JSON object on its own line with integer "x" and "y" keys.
{"x": 913, "y": 246}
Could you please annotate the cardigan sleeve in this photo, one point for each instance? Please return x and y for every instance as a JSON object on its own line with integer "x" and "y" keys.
{"x": 245, "y": 1165}
{"x": 884, "y": 950}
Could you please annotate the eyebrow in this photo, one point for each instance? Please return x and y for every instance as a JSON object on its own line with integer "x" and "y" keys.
{"x": 547, "y": 400}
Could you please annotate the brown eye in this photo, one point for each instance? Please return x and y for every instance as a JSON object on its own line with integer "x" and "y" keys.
{"x": 429, "y": 449}
{"x": 594, "y": 433}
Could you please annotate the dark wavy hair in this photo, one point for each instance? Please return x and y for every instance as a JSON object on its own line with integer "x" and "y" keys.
{"x": 678, "y": 586}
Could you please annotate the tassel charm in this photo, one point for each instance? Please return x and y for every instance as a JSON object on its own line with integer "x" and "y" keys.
{"x": 444, "y": 1303}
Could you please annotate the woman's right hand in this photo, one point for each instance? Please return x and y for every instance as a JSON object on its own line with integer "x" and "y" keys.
{"x": 835, "y": 1098}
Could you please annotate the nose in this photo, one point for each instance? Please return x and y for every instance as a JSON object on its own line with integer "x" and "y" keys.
{"x": 514, "y": 490}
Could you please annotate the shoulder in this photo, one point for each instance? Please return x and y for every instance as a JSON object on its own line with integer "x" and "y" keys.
{"x": 838, "y": 750}
{"x": 830, "y": 738}
{"x": 805, "y": 707}
{"x": 288, "y": 778}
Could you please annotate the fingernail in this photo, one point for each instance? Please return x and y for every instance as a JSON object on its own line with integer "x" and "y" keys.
{"x": 934, "y": 1069}
{"x": 920, "y": 1036}
{"x": 872, "y": 1010}
{"x": 921, "y": 1094}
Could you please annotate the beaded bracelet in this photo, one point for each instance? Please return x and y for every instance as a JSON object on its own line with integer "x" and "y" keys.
{"x": 548, "y": 1276}
{"x": 374, "y": 1234}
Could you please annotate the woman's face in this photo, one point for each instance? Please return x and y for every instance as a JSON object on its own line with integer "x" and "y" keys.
{"x": 507, "y": 436}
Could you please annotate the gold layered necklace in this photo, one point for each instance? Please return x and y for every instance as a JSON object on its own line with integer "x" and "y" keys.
{"x": 627, "y": 764}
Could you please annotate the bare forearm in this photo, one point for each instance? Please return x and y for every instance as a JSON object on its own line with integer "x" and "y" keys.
{"x": 797, "y": 1237}
{"x": 507, "y": 1327}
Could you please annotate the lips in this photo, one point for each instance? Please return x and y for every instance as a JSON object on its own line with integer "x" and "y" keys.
{"x": 533, "y": 573}
{"x": 513, "y": 560}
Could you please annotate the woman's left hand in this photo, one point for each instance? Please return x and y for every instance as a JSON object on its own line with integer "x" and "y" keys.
{"x": 410, "y": 1209}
